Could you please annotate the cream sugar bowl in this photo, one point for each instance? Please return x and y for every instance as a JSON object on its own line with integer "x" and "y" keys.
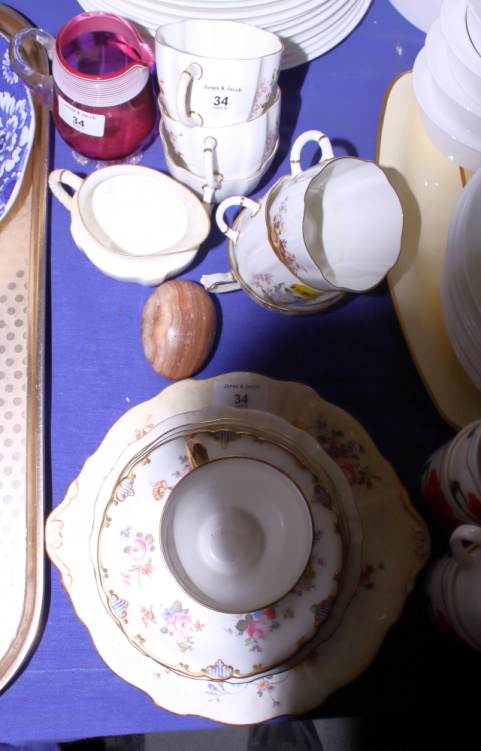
{"x": 235, "y": 151}
{"x": 223, "y": 188}
{"x": 116, "y": 215}
{"x": 215, "y": 73}
{"x": 454, "y": 587}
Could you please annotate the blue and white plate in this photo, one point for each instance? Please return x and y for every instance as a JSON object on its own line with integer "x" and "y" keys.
{"x": 17, "y": 129}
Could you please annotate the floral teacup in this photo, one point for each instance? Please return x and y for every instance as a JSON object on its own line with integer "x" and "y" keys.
{"x": 338, "y": 224}
{"x": 236, "y": 151}
{"x": 261, "y": 273}
{"x": 213, "y": 73}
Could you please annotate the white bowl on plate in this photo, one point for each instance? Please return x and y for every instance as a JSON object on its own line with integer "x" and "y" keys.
{"x": 142, "y": 480}
{"x": 236, "y": 534}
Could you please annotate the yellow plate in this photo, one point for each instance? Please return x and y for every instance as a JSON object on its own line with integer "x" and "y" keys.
{"x": 428, "y": 186}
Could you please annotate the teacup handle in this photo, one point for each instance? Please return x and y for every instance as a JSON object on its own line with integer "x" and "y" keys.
{"x": 219, "y": 283}
{"x": 468, "y": 533}
{"x": 209, "y": 147}
{"x": 234, "y": 201}
{"x": 309, "y": 135}
{"x": 41, "y": 85}
{"x": 55, "y": 180}
{"x": 191, "y": 119}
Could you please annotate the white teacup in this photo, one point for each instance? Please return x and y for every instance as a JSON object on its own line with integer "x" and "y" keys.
{"x": 222, "y": 188}
{"x": 338, "y": 224}
{"x": 216, "y": 73}
{"x": 236, "y": 151}
{"x": 131, "y": 221}
{"x": 226, "y": 549}
{"x": 257, "y": 267}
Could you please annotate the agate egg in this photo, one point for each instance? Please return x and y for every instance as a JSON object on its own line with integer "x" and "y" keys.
{"x": 177, "y": 328}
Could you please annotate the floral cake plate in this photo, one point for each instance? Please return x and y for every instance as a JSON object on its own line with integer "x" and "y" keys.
{"x": 17, "y": 130}
{"x": 179, "y": 632}
{"x": 394, "y": 549}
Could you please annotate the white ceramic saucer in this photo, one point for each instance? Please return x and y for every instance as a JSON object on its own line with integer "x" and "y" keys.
{"x": 395, "y": 547}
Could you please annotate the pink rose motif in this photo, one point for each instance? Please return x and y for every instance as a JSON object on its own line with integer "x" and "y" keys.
{"x": 349, "y": 468}
{"x": 179, "y": 622}
{"x": 259, "y": 627}
{"x": 158, "y": 491}
{"x": 137, "y": 549}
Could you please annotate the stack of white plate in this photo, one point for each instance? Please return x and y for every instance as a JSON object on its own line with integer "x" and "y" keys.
{"x": 308, "y": 28}
{"x": 447, "y": 83}
{"x": 461, "y": 279}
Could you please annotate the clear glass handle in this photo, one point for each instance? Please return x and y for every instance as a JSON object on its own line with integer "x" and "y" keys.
{"x": 41, "y": 85}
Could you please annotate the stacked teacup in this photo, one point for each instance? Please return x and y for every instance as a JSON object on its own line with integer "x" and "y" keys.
{"x": 220, "y": 114}
{"x": 333, "y": 228}
{"x": 447, "y": 82}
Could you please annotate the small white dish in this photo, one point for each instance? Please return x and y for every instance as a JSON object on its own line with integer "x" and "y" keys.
{"x": 18, "y": 117}
{"x": 236, "y": 534}
{"x": 145, "y": 600}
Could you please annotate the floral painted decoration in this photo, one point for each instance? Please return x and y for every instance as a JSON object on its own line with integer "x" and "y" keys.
{"x": 16, "y": 125}
{"x": 347, "y": 454}
{"x": 279, "y": 294}
{"x": 263, "y": 96}
{"x": 279, "y": 242}
{"x": 257, "y": 626}
{"x": 180, "y": 624}
{"x": 137, "y": 551}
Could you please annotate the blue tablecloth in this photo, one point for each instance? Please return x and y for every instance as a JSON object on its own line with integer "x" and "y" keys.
{"x": 354, "y": 355}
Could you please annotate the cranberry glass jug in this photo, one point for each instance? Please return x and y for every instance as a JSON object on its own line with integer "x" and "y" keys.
{"x": 100, "y": 91}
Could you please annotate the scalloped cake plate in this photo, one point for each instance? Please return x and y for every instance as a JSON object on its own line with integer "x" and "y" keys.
{"x": 394, "y": 549}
